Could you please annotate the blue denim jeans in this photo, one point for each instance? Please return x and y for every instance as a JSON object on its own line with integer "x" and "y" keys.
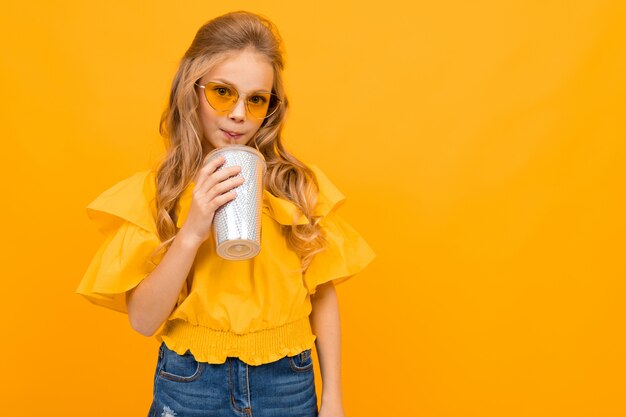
{"x": 184, "y": 387}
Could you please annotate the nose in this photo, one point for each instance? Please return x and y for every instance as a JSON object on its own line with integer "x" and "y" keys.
{"x": 238, "y": 112}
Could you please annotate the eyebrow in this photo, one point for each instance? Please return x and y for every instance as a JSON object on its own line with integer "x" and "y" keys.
{"x": 258, "y": 90}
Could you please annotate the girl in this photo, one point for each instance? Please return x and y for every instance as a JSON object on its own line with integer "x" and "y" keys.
{"x": 235, "y": 336}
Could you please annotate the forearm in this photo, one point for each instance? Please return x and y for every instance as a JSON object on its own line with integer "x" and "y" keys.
{"x": 326, "y": 325}
{"x": 151, "y": 302}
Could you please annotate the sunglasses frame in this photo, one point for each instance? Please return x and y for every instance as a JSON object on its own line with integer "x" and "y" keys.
{"x": 245, "y": 96}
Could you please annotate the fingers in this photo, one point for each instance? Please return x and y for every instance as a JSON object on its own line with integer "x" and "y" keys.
{"x": 213, "y": 190}
{"x": 207, "y": 169}
{"x": 217, "y": 181}
{"x": 221, "y": 199}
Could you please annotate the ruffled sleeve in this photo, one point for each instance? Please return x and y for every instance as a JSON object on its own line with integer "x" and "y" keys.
{"x": 347, "y": 252}
{"x": 125, "y": 215}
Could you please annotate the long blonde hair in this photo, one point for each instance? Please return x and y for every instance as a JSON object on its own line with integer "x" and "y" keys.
{"x": 286, "y": 176}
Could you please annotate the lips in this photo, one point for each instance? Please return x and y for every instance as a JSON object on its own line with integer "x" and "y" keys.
{"x": 230, "y": 134}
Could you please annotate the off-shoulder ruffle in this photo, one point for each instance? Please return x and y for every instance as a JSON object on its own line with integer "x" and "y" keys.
{"x": 119, "y": 265}
{"x": 131, "y": 199}
{"x": 123, "y": 214}
{"x": 347, "y": 253}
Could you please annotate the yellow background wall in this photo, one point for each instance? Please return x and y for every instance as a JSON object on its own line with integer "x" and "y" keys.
{"x": 482, "y": 149}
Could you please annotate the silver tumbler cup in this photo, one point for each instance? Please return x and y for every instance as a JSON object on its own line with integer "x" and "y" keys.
{"x": 237, "y": 224}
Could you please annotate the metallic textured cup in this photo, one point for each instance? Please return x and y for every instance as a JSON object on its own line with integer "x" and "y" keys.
{"x": 237, "y": 224}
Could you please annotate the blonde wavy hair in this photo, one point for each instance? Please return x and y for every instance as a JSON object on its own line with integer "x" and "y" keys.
{"x": 286, "y": 176}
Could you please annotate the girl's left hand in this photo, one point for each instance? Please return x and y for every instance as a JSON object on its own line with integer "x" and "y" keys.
{"x": 333, "y": 409}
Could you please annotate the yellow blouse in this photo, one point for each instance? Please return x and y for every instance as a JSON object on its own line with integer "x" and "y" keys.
{"x": 255, "y": 309}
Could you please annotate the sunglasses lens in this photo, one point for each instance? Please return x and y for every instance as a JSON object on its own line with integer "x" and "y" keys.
{"x": 258, "y": 104}
{"x": 223, "y": 97}
{"x": 220, "y": 97}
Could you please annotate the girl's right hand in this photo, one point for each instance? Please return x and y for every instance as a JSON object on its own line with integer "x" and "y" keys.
{"x": 212, "y": 189}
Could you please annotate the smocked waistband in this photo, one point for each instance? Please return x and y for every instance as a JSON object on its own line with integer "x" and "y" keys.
{"x": 255, "y": 348}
